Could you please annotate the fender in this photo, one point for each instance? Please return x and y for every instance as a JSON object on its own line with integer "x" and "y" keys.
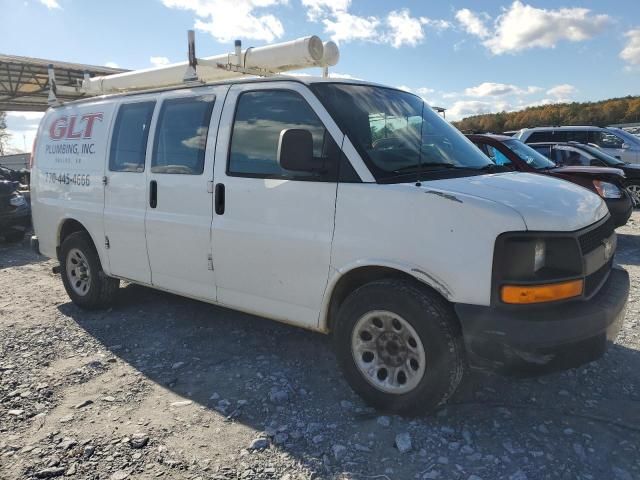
{"x": 99, "y": 246}
{"x": 417, "y": 272}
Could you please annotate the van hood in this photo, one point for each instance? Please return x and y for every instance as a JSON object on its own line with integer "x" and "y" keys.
{"x": 544, "y": 203}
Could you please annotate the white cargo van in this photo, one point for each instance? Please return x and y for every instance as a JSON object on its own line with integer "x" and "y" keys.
{"x": 339, "y": 206}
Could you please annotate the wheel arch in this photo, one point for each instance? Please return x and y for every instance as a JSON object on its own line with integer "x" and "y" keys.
{"x": 67, "y": 227}
{"x": 347, "y": 280}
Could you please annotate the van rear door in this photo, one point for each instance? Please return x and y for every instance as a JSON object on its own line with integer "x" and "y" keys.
{"x": 179, "y": 206}
{"x": 125, "y": 197}
{"x": 272, "y": 228}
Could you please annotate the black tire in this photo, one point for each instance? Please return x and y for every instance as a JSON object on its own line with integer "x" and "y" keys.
{"x": 102, "y": 289}
{"x": 435, "y": 323}
{"x": 14, "y": 236}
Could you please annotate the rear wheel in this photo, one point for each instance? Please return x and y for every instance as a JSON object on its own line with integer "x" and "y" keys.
{"x": 84, "y": 280}
{"x": 399, "y": 346}
{"x": 634, "y": 192}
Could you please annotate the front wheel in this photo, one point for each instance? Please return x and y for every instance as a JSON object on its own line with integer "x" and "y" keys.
{"x": 399, "y": 346}
{"x": 84, "y": 280}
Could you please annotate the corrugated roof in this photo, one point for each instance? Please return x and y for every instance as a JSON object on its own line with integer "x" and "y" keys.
{"x": 24, "y": 81}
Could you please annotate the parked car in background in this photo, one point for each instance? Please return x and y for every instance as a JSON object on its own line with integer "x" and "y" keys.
{"x": 613, "y": 141}
{"x": 15, "y": 213}
{"x": 513, "y": 154}
{"x": 572, "y": 153}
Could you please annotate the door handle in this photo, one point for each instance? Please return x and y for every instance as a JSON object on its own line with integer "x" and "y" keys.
{"x": 153, "y": 194}
{"x": 219, "y": 199}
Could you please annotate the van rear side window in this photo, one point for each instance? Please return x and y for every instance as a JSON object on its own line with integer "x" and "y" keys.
{"x": 129, "y": 141}
{"x": 181, "y": 135}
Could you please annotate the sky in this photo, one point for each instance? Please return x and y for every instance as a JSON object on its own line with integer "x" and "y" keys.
{"x": 467, "y": 56}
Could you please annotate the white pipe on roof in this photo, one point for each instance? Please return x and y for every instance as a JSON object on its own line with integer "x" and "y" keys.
{"x": 282, "y": 57}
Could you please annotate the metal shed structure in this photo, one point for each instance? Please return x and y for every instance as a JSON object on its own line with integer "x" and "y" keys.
{"x": 24, "y": 81}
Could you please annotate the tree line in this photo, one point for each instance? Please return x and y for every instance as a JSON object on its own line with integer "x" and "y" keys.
{"x": 605, "y": 112}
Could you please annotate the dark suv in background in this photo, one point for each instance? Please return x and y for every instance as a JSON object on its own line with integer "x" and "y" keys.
{"x": 511, "y": 154}
{"x": 573, "y": 153}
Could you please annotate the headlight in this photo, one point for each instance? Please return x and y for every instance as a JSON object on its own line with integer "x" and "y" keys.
{"x": 535, "y": 268}
{"x": 17, "y": 200}
{"x": 607, "y": 190}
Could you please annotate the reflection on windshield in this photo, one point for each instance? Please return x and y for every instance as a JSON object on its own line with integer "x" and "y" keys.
{"x": 527, "y": 154}
{"x": 395, "y": 132}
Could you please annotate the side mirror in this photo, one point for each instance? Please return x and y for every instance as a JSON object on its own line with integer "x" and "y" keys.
{"x": 295, "y": 150}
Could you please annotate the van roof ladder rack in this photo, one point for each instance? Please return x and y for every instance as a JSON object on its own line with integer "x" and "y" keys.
{"x": 263, "y": 61}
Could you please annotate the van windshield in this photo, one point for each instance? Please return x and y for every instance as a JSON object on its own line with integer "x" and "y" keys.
{"x": 397, "y": 134}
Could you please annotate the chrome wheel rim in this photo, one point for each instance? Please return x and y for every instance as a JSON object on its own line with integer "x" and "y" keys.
{"x": 634, "y": 191}
{"x": 78, "y": 272}
{"x": 388, "y": 352}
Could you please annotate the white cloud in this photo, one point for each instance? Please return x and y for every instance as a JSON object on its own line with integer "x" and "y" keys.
{"x": 490, "y": 89}
{"x": 466, "y": 108}
{"x": 397, "y": 28}
{"x": 345, "y": 27}
{"x": 473, "y": 23}
{"x": 112, "y": 65}
{"x": 319, "y": 8}
{"x": 403, "y": 29}
{"x": 159, "y": 61}
{"x": 424, "y": 91}
{"x": 631, "y": 52}
{"x": 562, "y": 91}
{"x": 346, "y": 76}
{"x": 522, "y": 26}
{"x": 227, "y": 20}
{"x": 50, "y": 4}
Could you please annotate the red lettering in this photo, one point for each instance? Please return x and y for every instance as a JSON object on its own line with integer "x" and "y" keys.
{"x": 70, "y": 129}
{"x": 90, "y": 118}
{"x": 58, "y": 128}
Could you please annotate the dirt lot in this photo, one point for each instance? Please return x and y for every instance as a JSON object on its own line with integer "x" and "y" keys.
{"x": 161, "y": 386}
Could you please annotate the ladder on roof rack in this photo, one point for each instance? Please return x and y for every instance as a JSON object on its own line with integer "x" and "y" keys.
{"x": 264, "y": 61}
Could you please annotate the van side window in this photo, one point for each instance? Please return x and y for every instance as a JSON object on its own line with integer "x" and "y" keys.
{"x": 260, "y": 117}
{"x": 181, "y": 135}
{"x": 129, "y": 139}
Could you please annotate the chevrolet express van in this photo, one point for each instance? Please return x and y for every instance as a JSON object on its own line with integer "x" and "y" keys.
{"x": 338, "y": 206}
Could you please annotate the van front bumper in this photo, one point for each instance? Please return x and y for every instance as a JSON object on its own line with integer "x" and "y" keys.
{"x": 544, "y": 338}
{"x": 620, "y": 209}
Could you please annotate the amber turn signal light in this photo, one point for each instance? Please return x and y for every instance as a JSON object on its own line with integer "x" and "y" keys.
{"x": 520, "y": 294}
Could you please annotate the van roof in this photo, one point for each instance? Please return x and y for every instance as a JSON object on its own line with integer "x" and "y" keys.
{"x": 304, "y": 79}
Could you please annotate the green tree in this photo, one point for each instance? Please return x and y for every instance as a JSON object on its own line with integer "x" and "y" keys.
{"x": 606, "y": 112}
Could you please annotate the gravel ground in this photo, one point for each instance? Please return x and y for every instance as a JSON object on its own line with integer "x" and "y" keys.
{"x": 162, "y": 386}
